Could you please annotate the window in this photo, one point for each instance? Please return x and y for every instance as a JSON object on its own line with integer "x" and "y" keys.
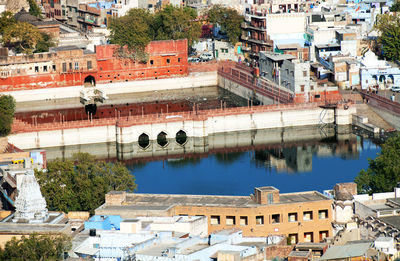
{"x": 292, "y": 217}
{"x": 308, "y": 237}
{"x": 179, "y": 60}
{"x": 36, "y": 68}
{"x": 76, "y": 66}
{"x": 312, "y": 87}
{"x": 293, "y": 239}
{"x": 243, "y": 221}
{"x": 230, "y": 220}
{"x": 64, "y": 67}
{"x": 151, "y": 62}
{"x": 323, "y": 214}
{"x": 70, "y": 66}
{"x": 168, "y": 60}
{"x": 259, "y": 220}
{"x": 307, "y": 215}
{"x": 270, "y": 198}
{"x": 275, "y": 218}
{"x": 304, "y": 73}
{"x": 302, "y": 88}
{"x": 292, "y": 73}
{"x": 54, "y": 67}
{"x": 89, "y": 65}
{"x": 323, "y": 235}
{"x": 215, "y": 220}
{"x": 18, "y": 71}
{"x": 45, "y": 68}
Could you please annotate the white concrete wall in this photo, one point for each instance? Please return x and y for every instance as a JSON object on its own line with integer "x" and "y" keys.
{"x": 191, "y": 81}
{"x": 193, "y": 128}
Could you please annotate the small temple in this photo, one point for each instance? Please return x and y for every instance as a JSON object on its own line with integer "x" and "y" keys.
{"x": 30, "y": 205}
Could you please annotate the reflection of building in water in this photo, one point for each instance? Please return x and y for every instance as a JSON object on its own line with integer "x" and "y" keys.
{"x": 298, "y": 158}
{"x": 289, "y": 159}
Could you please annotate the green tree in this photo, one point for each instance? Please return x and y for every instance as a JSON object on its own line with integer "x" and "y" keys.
{"x": 383, "y": 172}
{"x": 80, "y": 183}
{"x": 389, "y": 28}
{"x": 36, "y": 248}
{"x": 34, "y": 8}
{"x": 228, "y": 19}
{"x": 395, "y": 7}
{"x": 44, "y": 43}
{"x": 177, "y": 23}
{"x": 6, "y": 20}
{"x": 132, "y": 31}
{"x": 7, "y": 110}
{"x": 22, "y": 36}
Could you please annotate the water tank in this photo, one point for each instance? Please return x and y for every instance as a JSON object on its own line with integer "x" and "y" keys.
{"x": 92, "y": 232}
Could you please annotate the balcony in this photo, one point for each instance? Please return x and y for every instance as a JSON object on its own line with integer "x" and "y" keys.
{"x": 245, "y": 25}
{"x": 261, "y": 42}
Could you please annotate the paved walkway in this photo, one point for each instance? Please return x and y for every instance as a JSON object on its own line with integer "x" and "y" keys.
{"x": 366, "y": 111}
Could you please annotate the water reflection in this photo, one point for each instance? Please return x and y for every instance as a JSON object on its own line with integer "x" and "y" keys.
{"x": 291, "y": 159}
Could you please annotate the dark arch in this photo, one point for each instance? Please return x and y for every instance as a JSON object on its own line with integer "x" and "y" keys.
{"x": 91, "y": 109}
{"x": 162, "y": 139}
{"x": 391, "y": 78}
{"x": 144, "y": 141}
{"x": 181, "y": 137}
{"x": 89, "y": 81}
{"x": 382, "y": 78}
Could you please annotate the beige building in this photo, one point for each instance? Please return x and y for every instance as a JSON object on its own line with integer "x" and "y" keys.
{"x": 303, "y": 216}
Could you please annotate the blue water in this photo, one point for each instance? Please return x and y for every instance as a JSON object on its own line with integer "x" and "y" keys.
{"x": 239, "y": 173}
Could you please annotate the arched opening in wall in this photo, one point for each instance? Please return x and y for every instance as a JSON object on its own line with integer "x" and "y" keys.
{"x": 390, "y": 79}
{"x": 144, "y": 141}
{"x": 162, "y": 139}
{"x": 91, "y": 109}
{"x": 89, "y": 81}
{"x": 374, "y": 79}
{"x": 382, "y": 79}
{"x": 181, "y": 137}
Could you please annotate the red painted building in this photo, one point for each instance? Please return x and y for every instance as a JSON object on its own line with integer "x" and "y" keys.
{"x": 71, "y": 66}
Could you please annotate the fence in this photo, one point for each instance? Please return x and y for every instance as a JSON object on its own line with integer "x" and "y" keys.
{"x": 244, "y": 76}
{"x": 381, "y": 102}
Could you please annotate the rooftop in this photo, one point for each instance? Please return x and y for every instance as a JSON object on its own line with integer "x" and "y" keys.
{"x": 346, "y": 251}
{"x": 163, "y": 202}
{"x": 293, "y": 46}
{"x": 277, "y": 56}
{"x": 267, "y": 188}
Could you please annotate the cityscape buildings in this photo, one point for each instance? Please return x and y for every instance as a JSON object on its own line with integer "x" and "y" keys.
{"x": 303, "y": 79}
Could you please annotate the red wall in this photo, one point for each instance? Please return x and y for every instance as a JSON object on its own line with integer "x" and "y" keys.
{"x": 169, "y": 59}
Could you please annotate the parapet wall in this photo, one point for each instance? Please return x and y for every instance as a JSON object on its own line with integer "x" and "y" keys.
{"x": 194, "y": 123}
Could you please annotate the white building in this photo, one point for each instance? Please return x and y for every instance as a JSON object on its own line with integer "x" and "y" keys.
{"x": 378, "y": 73}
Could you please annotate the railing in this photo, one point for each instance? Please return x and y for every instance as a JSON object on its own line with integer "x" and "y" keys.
{"x": 381, "y": 102}
{"x": 243, "y": 75}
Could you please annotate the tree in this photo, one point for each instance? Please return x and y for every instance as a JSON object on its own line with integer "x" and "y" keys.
{"x": 44, "y": 44}
{"x": 7, "y": 110}
{"x": 389, "y": 39}
{"x": 80, "y": 184}
{"x": 34, "y": 8}
{"x": 23, "y": 36}
{"x": 395, "y": 7}
{"x": 36, "y": 247}
{"x": 228, "y": 19}
{"x": 6, "y": 20}
{"x": 177, "y": 23}
{"x": 383, "y": 172}
{"x": 132, "y": 31}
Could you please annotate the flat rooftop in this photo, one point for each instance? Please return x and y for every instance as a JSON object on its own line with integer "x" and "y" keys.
{"x": 277, "y": 56}
{"x": 163, "y": 202}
